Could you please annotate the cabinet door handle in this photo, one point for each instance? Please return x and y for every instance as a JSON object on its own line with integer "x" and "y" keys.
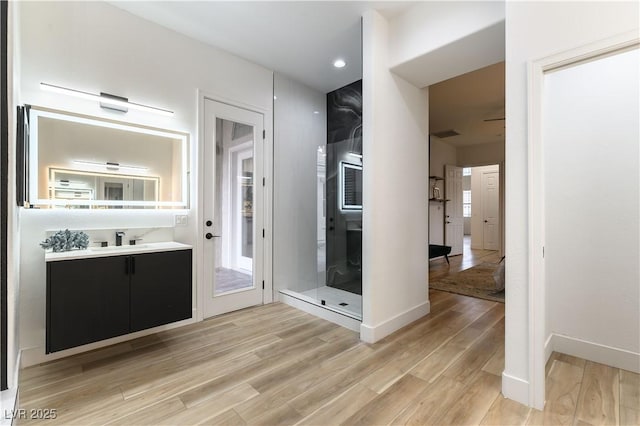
{"x": 133, "y": 265}
{"x": 126, "y": 265}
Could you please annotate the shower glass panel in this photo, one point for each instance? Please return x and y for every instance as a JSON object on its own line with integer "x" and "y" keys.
{"x": 317, "y": 238}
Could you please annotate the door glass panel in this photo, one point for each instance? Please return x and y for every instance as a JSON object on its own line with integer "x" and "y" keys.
{"x": 233, "y": 207}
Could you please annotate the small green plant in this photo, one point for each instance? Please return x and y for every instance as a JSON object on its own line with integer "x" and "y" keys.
{"x": 66, "y": 240}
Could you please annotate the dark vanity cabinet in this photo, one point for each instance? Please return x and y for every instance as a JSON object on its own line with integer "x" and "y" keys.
{"x": 93, "y": 299}
{"x": 87, "y": 301}
{"x": 160, "y": 288}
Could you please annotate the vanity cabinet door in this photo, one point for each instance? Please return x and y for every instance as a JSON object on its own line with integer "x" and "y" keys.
{"x": 87, "y": 301}
{"x": 160, "y": 288}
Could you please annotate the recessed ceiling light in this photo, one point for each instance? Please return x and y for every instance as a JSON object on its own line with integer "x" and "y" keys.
{"x": 316, "y": 112}
{"x": 339, "y": 63}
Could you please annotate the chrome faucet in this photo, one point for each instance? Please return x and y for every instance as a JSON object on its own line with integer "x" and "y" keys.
{"x": 119, "y": 235}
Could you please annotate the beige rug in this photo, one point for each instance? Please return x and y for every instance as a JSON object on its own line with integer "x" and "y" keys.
{"x": 476, "y": 282}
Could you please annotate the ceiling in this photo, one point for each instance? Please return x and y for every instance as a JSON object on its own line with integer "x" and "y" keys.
{"x": 299, "y": 39}
{"x": 464, "y": 102}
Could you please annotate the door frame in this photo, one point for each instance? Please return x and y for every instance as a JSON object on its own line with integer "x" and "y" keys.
{"x": 198, "y": 194}
{"x": 538, "y": 347}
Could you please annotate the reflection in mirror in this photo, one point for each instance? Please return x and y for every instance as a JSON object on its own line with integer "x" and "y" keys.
{"x": 90, "y": 163}
{"x": 233, "y": 206}
{"x": 77, "y": 185}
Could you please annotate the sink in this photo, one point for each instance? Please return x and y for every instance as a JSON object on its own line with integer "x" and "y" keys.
{"x": 116, "y": 248}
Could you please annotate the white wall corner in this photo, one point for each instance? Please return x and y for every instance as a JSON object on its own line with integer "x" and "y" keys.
{"x": 548, "y": 348}
{"x": 371, "y": 334}
{"x": 515, "y": 388}
{"x": 603, "y": 354}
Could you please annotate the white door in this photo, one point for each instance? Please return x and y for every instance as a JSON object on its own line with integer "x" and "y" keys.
{"x": 454, "y": 217}
{"x": 233, "y": 208}
{"x": 491, "y": 210}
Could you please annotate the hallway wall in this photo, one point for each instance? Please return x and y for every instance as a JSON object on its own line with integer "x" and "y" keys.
{"x": 535, "y": 30}
{"x": 395, "y": 150}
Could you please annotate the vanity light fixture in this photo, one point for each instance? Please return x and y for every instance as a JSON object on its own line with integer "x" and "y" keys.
{"x": 109, "y": 165}
{"x": 106, "y": 100}
{"x": 339, "y": 63}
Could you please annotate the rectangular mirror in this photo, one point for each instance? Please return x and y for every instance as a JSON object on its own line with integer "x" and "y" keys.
{"x": 84, "y": 162}
{"x": 351, "y": 186}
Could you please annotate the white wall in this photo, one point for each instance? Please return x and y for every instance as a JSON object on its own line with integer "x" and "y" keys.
{"x": 592, "y": 201}
{"x": 432, "y": 33}
{"x": 97, "y": 47}
{"x": 535, "y": 30}
{"x": 480, "y": 155}
{"x": 298, "y": 133}
{"x": 395, "y": 229}
{"x": 440, "y": 154}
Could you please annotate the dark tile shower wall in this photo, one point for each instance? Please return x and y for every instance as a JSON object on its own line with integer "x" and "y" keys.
{"x": 344, "y": 228}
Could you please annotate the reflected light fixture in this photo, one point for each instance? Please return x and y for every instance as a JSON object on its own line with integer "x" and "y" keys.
{"x": 110, "y": 165}
{"x": 106, "y": 100}
{"x": 339, "y": 63}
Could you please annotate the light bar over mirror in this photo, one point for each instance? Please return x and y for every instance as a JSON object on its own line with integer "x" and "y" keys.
{"x": 106, "y": 100}
{"x": 77, "y": 161}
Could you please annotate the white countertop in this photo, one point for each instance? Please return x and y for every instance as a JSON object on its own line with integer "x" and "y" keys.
{"x": 115, "y": 251}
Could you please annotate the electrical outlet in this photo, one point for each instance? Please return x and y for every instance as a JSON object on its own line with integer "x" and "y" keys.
{"x": 181, "y": 220}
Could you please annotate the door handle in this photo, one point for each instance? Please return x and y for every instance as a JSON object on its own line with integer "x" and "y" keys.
{"x": 209, "y": 236}
{"x": 486, "y": 221}
{"x": 447, "y": 221}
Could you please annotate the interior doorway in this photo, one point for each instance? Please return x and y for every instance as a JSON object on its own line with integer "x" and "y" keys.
{"x": 234, "y": 213}
{"x": 481, "y": 207}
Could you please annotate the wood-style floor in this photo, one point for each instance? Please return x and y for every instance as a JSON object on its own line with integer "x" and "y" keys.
{"x": 275, "y": 365}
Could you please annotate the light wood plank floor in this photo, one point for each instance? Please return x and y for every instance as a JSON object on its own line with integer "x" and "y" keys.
{"x": 439, "y": 268}
{"x": 275, "y": 365}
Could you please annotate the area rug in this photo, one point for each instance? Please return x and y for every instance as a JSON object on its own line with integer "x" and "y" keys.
{"x": 475, "y": 282}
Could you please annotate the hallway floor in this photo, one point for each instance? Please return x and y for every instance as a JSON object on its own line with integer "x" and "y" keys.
{"x": 469, "y": 258}
{"x": 275, "y": 365}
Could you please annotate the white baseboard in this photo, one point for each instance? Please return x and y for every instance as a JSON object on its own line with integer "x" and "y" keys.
{"x": 548, "y": 348}
{"x": 608, "y": 355}
{"x": 320, "y": 312}
{"x": 515, "y": 388}
{"x": 372, "y": 334}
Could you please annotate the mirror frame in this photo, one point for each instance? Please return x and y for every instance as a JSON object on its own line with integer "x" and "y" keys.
{"x": 36, "y": 112}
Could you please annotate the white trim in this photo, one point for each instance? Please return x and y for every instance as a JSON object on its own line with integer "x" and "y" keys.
{"x": 515, "y": 388}
{"x": 372, "y": 334}
{"x": 320, "y": 311}
{"x": 548, "y": 348}
{"x": 536, "y": 208}
{"x": 603, "y": 354}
